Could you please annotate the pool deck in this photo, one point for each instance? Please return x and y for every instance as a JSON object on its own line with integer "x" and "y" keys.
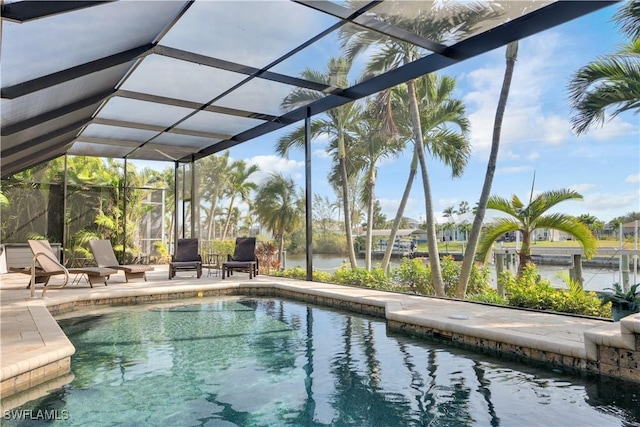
{"x": 35, "y": 353}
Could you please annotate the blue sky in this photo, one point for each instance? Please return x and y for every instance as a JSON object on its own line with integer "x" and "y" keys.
{"x": 603, "y": 165}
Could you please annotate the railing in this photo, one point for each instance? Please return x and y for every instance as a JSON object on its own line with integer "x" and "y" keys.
{"x": 32, "y": 285}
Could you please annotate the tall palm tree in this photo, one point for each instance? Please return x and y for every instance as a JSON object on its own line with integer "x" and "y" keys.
{"x": 481, "y": 207}
{"x": 439, "y": 115}
{"x": 339, "y": 124}
{"x": 371, "y": 148}
{"x": 214, "y": 173}
{"x": 393, "y": 53}
{"x": 611, "y": 82}
{"x": 239, "y": 185}
{"x": 526, "y": 219}
{"x": 279, "y": 205}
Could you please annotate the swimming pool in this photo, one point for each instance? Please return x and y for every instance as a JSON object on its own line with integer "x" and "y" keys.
{"x": 271, "y": 362}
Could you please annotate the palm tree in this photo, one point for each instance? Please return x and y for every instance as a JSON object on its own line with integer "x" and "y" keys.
{"x": 394, "y": 53}
{"x": 463, "y": 207}
{"x": 612, "y": 82}
{"x": 449, "y": 211}
{"x": 439, "y": 114}
{"x": 526, "y": 219}
{"x": 481, "y": 207}
{"x": 339, "y": 123}
{"x": 279, "y": 206}
{"x": 214, "y": 173}
{"x": 239, "y": 185}
{"x": 371, "y": 148}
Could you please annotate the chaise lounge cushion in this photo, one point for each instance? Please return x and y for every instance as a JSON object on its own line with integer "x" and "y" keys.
{"x": 106, "y": 258}
{"x": 243, "y": 259}
{"x": 186, "y": 258}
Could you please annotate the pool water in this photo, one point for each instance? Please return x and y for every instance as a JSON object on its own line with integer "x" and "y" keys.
{"x": 268, "y": 362}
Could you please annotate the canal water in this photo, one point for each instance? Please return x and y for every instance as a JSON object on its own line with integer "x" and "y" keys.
{"x": 595, "y": 279}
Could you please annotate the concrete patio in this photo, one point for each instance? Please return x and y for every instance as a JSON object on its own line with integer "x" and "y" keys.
{"x": 35, "y": 353}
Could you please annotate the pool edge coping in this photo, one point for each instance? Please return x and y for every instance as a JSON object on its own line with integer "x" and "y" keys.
{"x": 42, "y": 312}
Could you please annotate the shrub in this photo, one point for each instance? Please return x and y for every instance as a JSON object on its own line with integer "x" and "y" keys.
{"x": 530, "y": 291}
{"x": 478, "y": 280}
{"x": 267, "y": 254}
{"x": 221, "y": 247}
{"x": 330, "y": 244}
{"x": 413, "y": 276}
{"x": 489, "y": 296}
{"x": 375, "y": 278}
{"x": 301, "y": 274}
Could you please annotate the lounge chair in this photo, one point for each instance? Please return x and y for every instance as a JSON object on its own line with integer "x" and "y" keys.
{"x": 94, "y": 274}
{"x": 186, "y": 258}
{"x": 243, "y": 259}
{"x": 46, "y": 265}
{"x": 105, "y": 258}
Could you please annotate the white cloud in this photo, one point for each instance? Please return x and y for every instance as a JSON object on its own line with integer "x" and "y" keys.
{"x": 390, "y": 207}
{"x": 527, "y": 117}
{"x": 508, "y": 155}
{"x": 555, "y": 129}
{"x": 633, "y": 178}
{"x": 611, "y": 202}
{"x": 322, "y": 154}
{"x": 271, "y": 164}
{"x": 614, "y": 128}
{"x": 582, "y": 188}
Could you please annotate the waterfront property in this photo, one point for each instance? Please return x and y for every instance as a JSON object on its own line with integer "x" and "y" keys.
{"x": 70, "y": 89}
{"x": 36, "y": 353}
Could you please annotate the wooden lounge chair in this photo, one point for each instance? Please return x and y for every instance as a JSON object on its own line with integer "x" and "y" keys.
{"x": 106, "y": 258}
{"x": 186, "y": 258}
{"x": 243, "y": 259}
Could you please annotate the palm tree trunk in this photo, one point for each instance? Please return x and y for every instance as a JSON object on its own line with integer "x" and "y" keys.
{"x": 400, "y": 213}
{"x": 345, "y": 195}
{"x": 472, "y": 244}
{"x": 525, "y": 251}
{"x": 226, "y": 225}
{"x": 212, "y": 218}
{"x": 434, "y": 256}
{"x": 281, "y": 249}
{"x": 371, "y": 184}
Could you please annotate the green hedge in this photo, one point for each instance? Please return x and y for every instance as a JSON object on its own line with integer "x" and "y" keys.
{"x": 413, "y": 276}
{"x": 531, "y": 291}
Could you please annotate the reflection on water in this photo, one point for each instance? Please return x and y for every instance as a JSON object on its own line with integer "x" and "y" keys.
{"x": 259, "y": 362}
{"x": 595, "y": 279}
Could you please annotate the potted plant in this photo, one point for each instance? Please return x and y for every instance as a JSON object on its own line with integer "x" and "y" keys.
{"x": 622, "y": 303}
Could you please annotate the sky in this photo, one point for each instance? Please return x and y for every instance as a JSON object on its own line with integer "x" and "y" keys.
{"x": 602, "y": 165}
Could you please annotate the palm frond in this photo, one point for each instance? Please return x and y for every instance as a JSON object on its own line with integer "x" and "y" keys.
{"x": 611, "y": 82}
{"x": 452, "y": 148}
{"x": 572, "y": 226}
{"x": 493, "y": 232}
{"x": 295, "y": 138}
{"x": 628, "y": 19}
{"x": 503, "y": 205}
{"x": 548, "y": 199}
